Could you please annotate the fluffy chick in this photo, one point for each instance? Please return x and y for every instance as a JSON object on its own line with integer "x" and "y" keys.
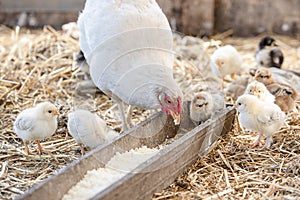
{"x": 204, "y": 105}
{"x": 268, "y": 53}
{"x": 89, "y": 129}
{"x": 36, "y": 123}
{"x": 237, "y": 87}
{"x": 286, "y": 76}
{"x": 285, "y": 95}
{"x": 259, "y": 90}
{"x": 226, "y": 61}
{"x": 256, "y": 115}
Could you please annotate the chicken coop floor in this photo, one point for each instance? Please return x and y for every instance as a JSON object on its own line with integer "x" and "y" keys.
{"x": 41, "y": 65}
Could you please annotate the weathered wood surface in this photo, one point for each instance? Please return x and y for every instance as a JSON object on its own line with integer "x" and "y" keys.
{"x": 160, "y": 171}
{"x": 37, "y": 13}
{"x": 13, "y": 6}
{"x": 154, "y": 174}
{"x": 190, "y": 16}
{"x": 254, "y": 17}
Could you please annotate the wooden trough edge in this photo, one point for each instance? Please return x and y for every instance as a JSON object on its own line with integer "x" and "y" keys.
{"x": 151, "y": 176}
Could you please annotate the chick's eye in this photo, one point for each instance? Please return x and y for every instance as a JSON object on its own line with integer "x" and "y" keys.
{"x": 49, "y": 111}
{"x": 239, "y": 104}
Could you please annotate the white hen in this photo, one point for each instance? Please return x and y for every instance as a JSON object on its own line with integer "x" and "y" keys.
{"x": 256, "y": 115}
{"x": 36, "y": 123}
{"x": 89, "y": 129}
{"x": 128, "y": 46}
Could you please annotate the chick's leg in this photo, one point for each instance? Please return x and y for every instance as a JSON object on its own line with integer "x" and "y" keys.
{"x": 238, "y": 124}
{"x": 129, "y": 115}
{"x": 269, "y": 141}
{"x": 232, "y": 76}
{"x": 82, "y": 149}
{"x": 40, "y": 148}
{"x": 286, "y": 124}
{"x": 122, "y": 113}
{"x": 257, "y": 141}
{"x": 223, "y": 84}
{"x": 27, "y": 149}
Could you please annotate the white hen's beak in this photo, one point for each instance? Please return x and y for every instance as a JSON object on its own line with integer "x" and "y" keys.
{"x": 176, "y": 117}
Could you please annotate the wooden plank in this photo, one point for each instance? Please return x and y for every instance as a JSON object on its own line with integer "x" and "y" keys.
{"x": 159, "y": 172}
{"x": 152, "y": 175}
{"x": 198, "y": 17}
{"x": 248, "y": 18}
{"x": 13, "y": 6}
{"x": 56, "y": 186}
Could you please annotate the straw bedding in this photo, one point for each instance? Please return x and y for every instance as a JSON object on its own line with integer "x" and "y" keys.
{"x": 41, "y": 65}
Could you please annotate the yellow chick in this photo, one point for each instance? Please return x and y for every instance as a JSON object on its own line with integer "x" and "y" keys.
{"x": 259, "y": 90}
{"x": 256, "y": 115}
{"x": 36, "y": 123}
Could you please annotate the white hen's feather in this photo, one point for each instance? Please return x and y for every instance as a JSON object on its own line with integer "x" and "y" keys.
{"x": 102, "y": 20}
{"x": 128, "y": 46}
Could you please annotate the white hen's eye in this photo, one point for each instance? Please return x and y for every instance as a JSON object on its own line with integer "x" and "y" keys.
{"x": 50, "y": 111}
{"x": 168, "y": 101}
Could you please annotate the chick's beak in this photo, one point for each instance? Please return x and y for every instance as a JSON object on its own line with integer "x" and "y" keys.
{"x": 55, "y": 112}
{"x": 176, "y": 117}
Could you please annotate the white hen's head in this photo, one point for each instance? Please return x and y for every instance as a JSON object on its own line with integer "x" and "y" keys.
{"x": 171, "y": 104}
{"x": 47, "y": 110}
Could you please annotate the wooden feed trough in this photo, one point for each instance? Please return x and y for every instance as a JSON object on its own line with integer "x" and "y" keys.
{"x": 151, "y": 176}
